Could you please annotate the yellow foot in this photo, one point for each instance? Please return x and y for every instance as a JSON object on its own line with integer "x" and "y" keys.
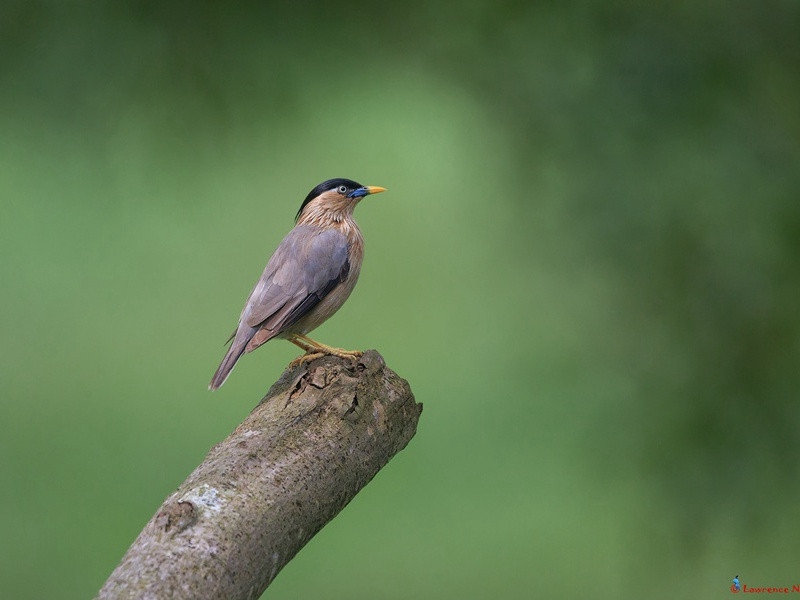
{"x": 315, "y": 350}
{"x": 307, "y": 357}
{"x": 342, "y": 353}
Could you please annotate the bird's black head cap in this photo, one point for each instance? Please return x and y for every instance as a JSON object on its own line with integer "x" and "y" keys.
{"x": 325, "y": 186}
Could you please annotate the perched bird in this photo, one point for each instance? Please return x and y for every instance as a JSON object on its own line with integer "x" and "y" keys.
{"x": 307, "y": 279}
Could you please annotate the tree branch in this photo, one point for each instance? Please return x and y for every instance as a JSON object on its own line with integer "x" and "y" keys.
{"x": 320, "y": 434}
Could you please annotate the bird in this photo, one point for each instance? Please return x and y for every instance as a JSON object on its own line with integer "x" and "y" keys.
{"x": 307, "y": 279}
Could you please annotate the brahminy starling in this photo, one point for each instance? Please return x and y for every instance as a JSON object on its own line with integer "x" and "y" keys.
{"x": 307, "y": 279}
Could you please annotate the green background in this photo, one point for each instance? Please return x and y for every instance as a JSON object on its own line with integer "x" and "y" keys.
{"x": 587, "y": 266}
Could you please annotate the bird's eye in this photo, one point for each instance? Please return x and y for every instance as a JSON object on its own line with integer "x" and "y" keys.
{"x": 342, "y": 189}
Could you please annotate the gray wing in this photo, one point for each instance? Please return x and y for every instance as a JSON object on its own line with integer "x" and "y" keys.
{"x": 307, "y": 265}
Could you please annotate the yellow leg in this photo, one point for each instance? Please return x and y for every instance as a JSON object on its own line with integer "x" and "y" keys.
{"x": 297, "y": 342}
{"x": 316, "y": 350}
{"x": 310, "y": 353}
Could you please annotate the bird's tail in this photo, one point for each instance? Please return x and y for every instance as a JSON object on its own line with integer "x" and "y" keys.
{"x": 243, "y": 335}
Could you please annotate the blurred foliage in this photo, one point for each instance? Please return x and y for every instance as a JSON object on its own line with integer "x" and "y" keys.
{"x": 588, "y": 267}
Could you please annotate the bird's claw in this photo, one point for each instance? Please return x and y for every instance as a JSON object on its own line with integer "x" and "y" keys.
{"x": 307, "y": 357}
{"x": 348, "y": 354}
{"x": 340, "y": 352}
{"x": 352, "y": 356}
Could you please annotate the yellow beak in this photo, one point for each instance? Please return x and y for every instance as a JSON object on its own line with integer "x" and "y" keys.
{"x": 374, "y": 189}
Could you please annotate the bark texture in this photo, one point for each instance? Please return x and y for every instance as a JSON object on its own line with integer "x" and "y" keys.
{"x": 319, "y": 435}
